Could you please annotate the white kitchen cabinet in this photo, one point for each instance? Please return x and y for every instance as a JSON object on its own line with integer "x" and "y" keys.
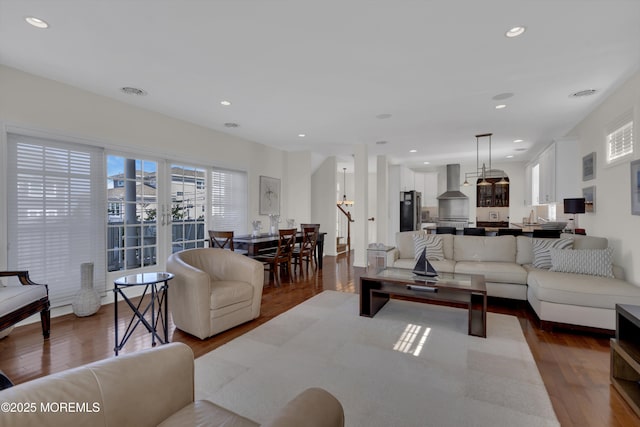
{"x": 547, "y": 162}
{"x": 559, "y": 174}
{"x": 427, "y": 184}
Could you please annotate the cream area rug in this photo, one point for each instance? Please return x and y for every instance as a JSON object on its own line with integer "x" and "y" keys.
{"x": 413, "y": 364}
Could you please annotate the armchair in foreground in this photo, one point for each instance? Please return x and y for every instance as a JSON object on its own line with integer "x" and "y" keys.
{"x": 213, "y": 290}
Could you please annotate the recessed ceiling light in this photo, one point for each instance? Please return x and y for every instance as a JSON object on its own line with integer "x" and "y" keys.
{"x": 413, "y": 151}
{"x": 518, "y": 140}
{"x": 586, "y": 92}
{"x": 425, "y": 163}
{"x": 510, "y": 156}
{"x": 501, "y": 106}
{"x": 231, "y": 125}
{"x": 383, "y": 116}
{"x": 302, "y": 135}
{"x": 225, "y": 103}
{"x": 133, "y": 91}
{"x": 515, "y": 32}
{"x": 36, "y": 22}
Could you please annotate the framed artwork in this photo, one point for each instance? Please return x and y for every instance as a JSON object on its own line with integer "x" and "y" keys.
{"x": 635, "y": 187}
{"x": 269, "y": 196}
{"x": 589, "y": 167}
{"x": 589, "y": 195}
{"x": 494, "y": 216}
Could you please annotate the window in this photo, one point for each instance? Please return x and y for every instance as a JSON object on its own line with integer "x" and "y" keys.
{"x": 188, "y": 199}
{"x": 228, "y": 201}
{"x": 132, "y": 226}
{"x": 56, "y": 210}
{"x": 620, "y": 138}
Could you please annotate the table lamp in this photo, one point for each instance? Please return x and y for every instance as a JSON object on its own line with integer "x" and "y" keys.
{"x": 574, "y": 206}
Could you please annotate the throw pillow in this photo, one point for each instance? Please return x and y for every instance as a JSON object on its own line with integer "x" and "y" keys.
{"x": 541, "y": 255}
{"x": 594, "y": 262}
{"x": 432, "y": 243}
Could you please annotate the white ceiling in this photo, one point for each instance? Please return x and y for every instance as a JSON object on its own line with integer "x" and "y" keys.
{"x": 327, "y": 68}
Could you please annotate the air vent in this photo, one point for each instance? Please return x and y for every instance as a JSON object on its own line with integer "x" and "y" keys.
{"x": 231, "y": 125}
{"x": 587, "y": 92}
{"x": 133, "y": 91}
{"x": 381, "y": 142}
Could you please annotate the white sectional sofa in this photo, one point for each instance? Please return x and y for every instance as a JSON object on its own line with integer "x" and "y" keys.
{"x": 507, "y": 262}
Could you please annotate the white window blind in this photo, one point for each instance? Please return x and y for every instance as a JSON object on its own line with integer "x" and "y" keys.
{"x": 620, "y": 138}
{"x": 56, "y": 212}
{"x": 229, "y": 194}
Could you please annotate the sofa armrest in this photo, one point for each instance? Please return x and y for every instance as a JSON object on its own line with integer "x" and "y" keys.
{"x": 189, "y": 297}
{"x": 392, "y": 256}
{"x": 314, "y": 407}
{"x": 136, "y": 389}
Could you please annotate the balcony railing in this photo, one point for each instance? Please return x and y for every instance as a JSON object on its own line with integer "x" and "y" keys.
{"x": 138, "y": 248}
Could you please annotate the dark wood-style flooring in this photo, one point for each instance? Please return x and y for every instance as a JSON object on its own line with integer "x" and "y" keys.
{"x": 574, "y": 366}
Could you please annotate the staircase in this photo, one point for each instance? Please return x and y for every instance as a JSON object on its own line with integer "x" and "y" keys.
{"x": 341, "y": 248}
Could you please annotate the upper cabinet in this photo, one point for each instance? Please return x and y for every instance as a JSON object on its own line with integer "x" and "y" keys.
{"x": 427, "y": 184}
{"x": 557, "y": 173}
{"x": 494, "y": 195}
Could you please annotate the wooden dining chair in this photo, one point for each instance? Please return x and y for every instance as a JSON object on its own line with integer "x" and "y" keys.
{"x": 223, "y": 240}
{"x": 306, "y": 249}
{"x": 282, "y": 257}
{"x": 317, "y": 228}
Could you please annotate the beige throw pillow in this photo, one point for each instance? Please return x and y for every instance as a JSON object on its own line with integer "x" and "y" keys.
{"x": 433, "y": 245}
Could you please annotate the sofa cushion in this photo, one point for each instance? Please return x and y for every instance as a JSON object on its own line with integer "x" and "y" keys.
{"x": 595, "y": 262}
{"x": 229, "y": 292}
{"x": 581, "y": 289}
{"x": 498, "y": 272}
{"x": 13, "y": 297}
{"x": 205, "y": 413}
{"x": 481, "y": 248}
{"x": 541, "y": 253}
{"x": 432, "y": 243}
{"x": 589, "y": 242}
{"x": 405, "y": 244}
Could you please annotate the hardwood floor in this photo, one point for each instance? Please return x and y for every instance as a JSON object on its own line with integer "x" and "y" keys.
{"x": 574, "y": 366}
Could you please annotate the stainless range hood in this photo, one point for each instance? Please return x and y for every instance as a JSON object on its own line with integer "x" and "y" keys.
{"x": 453, "y": 184}
{"x": 453, "y": 204}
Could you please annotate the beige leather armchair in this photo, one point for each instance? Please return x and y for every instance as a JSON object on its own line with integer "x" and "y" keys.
{"x": 213, "y": 290}
{"x": 147, "y": 388}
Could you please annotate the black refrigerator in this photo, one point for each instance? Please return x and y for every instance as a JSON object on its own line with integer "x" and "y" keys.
{"x": 410, "y": 210}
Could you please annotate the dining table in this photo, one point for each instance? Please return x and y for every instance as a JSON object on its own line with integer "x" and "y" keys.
{"x": 256, "y": 245}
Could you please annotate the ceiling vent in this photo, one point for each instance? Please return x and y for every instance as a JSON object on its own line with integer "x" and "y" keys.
{"x": 587, "y": 92}
{"x": 231, "y": 125}
{"x": 133, "y": 91}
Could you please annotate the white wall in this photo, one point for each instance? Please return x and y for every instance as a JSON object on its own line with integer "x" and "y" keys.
{"x": 298, "y": 197}
{"x": 323, "y": 204}
{"x": 612, "y": 217}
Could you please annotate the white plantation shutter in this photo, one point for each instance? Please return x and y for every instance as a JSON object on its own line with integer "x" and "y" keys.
{"x": 620, "y": 138}
{"x": 229, "y": 194}
{"x": 56, "y": 208}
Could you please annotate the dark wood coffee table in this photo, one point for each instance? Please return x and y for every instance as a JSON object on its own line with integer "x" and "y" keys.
{"x": 466, "y": 290}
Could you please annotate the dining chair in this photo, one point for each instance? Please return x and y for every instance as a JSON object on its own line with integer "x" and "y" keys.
{"x": 223, "y": 240}
{"x": 282, "y": 257}
{"x": 306, "y": 248}
{"x": 509, "y": 231}
{"x": 473, "y": 231}
{"x": 553, "y": 234}
{"x": 446, "y": 230}
{"x": 317, "y": 227}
